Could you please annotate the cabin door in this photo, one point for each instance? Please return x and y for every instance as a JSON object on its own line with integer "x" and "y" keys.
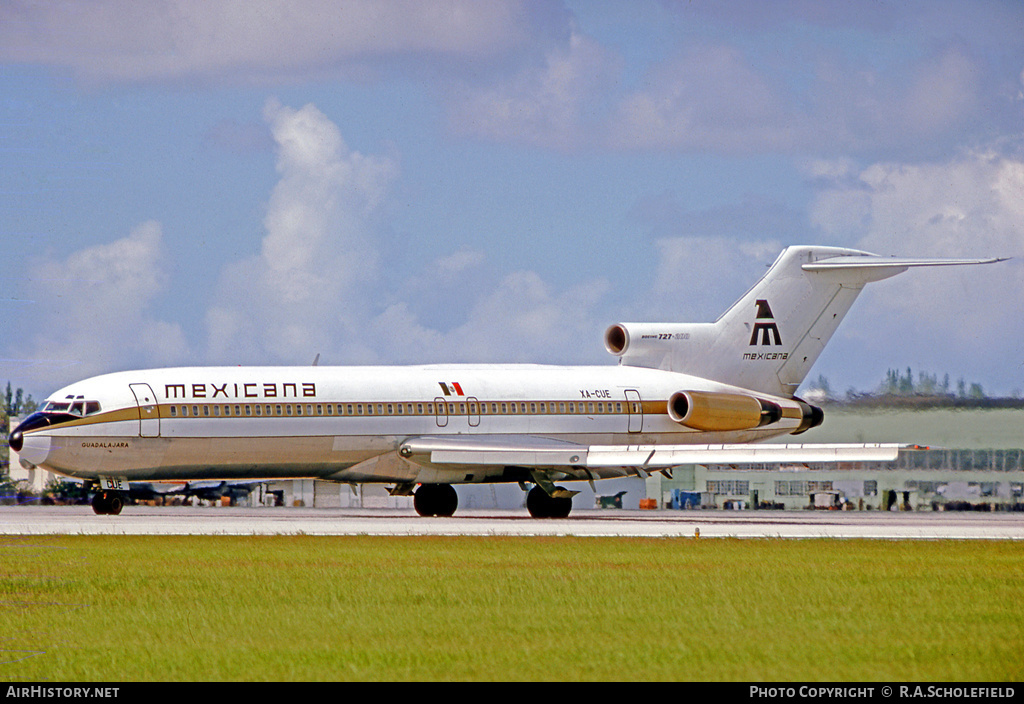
{"x": 635, "y": 409}
{"x": 440, "y": 412}
{"x": 149, "y": 413}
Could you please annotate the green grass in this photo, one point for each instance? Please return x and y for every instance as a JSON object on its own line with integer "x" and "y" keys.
{"x": 85, "y": 608}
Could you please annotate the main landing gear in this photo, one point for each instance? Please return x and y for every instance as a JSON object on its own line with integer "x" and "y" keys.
{"x": 441, "y": 500}
{"x": 107, "y": 503}
{"x": 435, "y": 500}
{"x": 542, "y": 505}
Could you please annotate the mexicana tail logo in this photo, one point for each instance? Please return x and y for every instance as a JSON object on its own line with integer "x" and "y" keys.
{"x": 765, "y": 326}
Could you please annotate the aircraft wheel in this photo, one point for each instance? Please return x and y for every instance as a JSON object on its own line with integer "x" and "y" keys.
{"x": 562, "y": 507}
{"x": 107, "y": 504}
{"x": 435, "y": 500}
{"x": 538, "y": 502}
{"x": 540, "y": 505}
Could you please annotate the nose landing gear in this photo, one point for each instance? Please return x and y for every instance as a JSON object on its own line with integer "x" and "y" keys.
{"x": 107, "y": 503}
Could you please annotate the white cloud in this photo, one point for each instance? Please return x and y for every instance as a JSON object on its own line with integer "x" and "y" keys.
{"x": 962, "y": 320}
{"x": 453, "y": 266}
{"x": 928, "y": 103}
{"x": 944, "y": 93}
{"x": 830, "y": 169}
{"x": 95, "y": 307}
{"x": 967, "y": 206}
{"x": 525, "y": 320}
{"x": 312, "y": 279}
{"x": 723, "y": 98}
{"x": 546, "y": 104}
{"x": 698, "y": 278}
{"x": 522, "y": 319}
{"x": 709, "y": 98}
{"x": 316, "y": 285}
{"x": 109, "y": 40}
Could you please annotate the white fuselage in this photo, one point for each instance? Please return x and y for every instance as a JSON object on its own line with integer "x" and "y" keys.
{"x": 331, "y": 422}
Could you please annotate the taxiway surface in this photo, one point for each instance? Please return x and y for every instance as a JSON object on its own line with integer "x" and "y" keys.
{"x": 141, "y": 520}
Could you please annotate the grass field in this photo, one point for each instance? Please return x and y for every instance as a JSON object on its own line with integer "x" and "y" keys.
{"x": 85, "y": 608}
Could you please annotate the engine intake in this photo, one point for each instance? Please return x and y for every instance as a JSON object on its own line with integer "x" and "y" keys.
{"x": 616, "y": 339}
{"x": 703, "y": 410}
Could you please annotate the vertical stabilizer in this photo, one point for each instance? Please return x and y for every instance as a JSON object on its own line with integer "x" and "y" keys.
{"x": 769, "y": 339}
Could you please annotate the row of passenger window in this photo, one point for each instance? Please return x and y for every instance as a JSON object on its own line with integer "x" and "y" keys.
{"x": 402, "y": 409}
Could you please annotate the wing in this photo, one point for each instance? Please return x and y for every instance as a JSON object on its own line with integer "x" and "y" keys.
{"x": 609, "y": 460}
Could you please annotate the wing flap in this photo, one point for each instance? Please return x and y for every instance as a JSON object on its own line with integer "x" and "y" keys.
{"x": 512, "y": 451}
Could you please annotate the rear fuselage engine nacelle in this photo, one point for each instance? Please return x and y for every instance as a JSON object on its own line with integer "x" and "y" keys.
{"x": 703, "y": 410}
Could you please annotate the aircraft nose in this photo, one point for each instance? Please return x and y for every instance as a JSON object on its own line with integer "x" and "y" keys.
{"x": 33, "y": 448}
{"x": 16, "y": 440}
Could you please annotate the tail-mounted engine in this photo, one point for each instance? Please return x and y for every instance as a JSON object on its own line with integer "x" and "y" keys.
{"x": 654, "y": 345}
{"x": 710, "y": 411}
{"x": 714, "y": 411}
{"x": 630, "y": 339}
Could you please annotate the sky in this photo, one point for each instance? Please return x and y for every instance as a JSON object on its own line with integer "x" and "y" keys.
{"x": 220, "y": 182}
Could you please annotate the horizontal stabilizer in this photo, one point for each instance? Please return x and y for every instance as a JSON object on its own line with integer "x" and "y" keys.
{"x": 876, "y": 262}
{"x": 894, "y": 265}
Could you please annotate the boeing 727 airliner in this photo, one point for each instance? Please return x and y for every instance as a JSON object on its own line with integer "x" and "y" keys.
{"x": 681, "y": 394}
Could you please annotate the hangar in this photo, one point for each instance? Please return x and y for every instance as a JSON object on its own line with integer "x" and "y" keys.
{"x": 970, "y": 458}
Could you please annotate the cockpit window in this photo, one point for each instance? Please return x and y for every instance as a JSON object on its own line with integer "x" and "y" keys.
{"x": 76, "y": 407}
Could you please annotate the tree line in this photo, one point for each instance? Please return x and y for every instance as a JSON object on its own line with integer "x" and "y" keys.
{"x": 902, "y": 388}
{"x": 13, "y": 403}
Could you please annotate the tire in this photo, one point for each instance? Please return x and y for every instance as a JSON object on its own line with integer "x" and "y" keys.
{"x": 540, "y": 505}
{"x": 435, "y": 500}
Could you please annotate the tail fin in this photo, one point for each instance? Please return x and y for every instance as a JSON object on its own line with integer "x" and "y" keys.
{"x": 769, "y": 339}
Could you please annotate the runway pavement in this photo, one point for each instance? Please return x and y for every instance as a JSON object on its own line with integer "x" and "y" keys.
{"x": 141, "y": 520}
